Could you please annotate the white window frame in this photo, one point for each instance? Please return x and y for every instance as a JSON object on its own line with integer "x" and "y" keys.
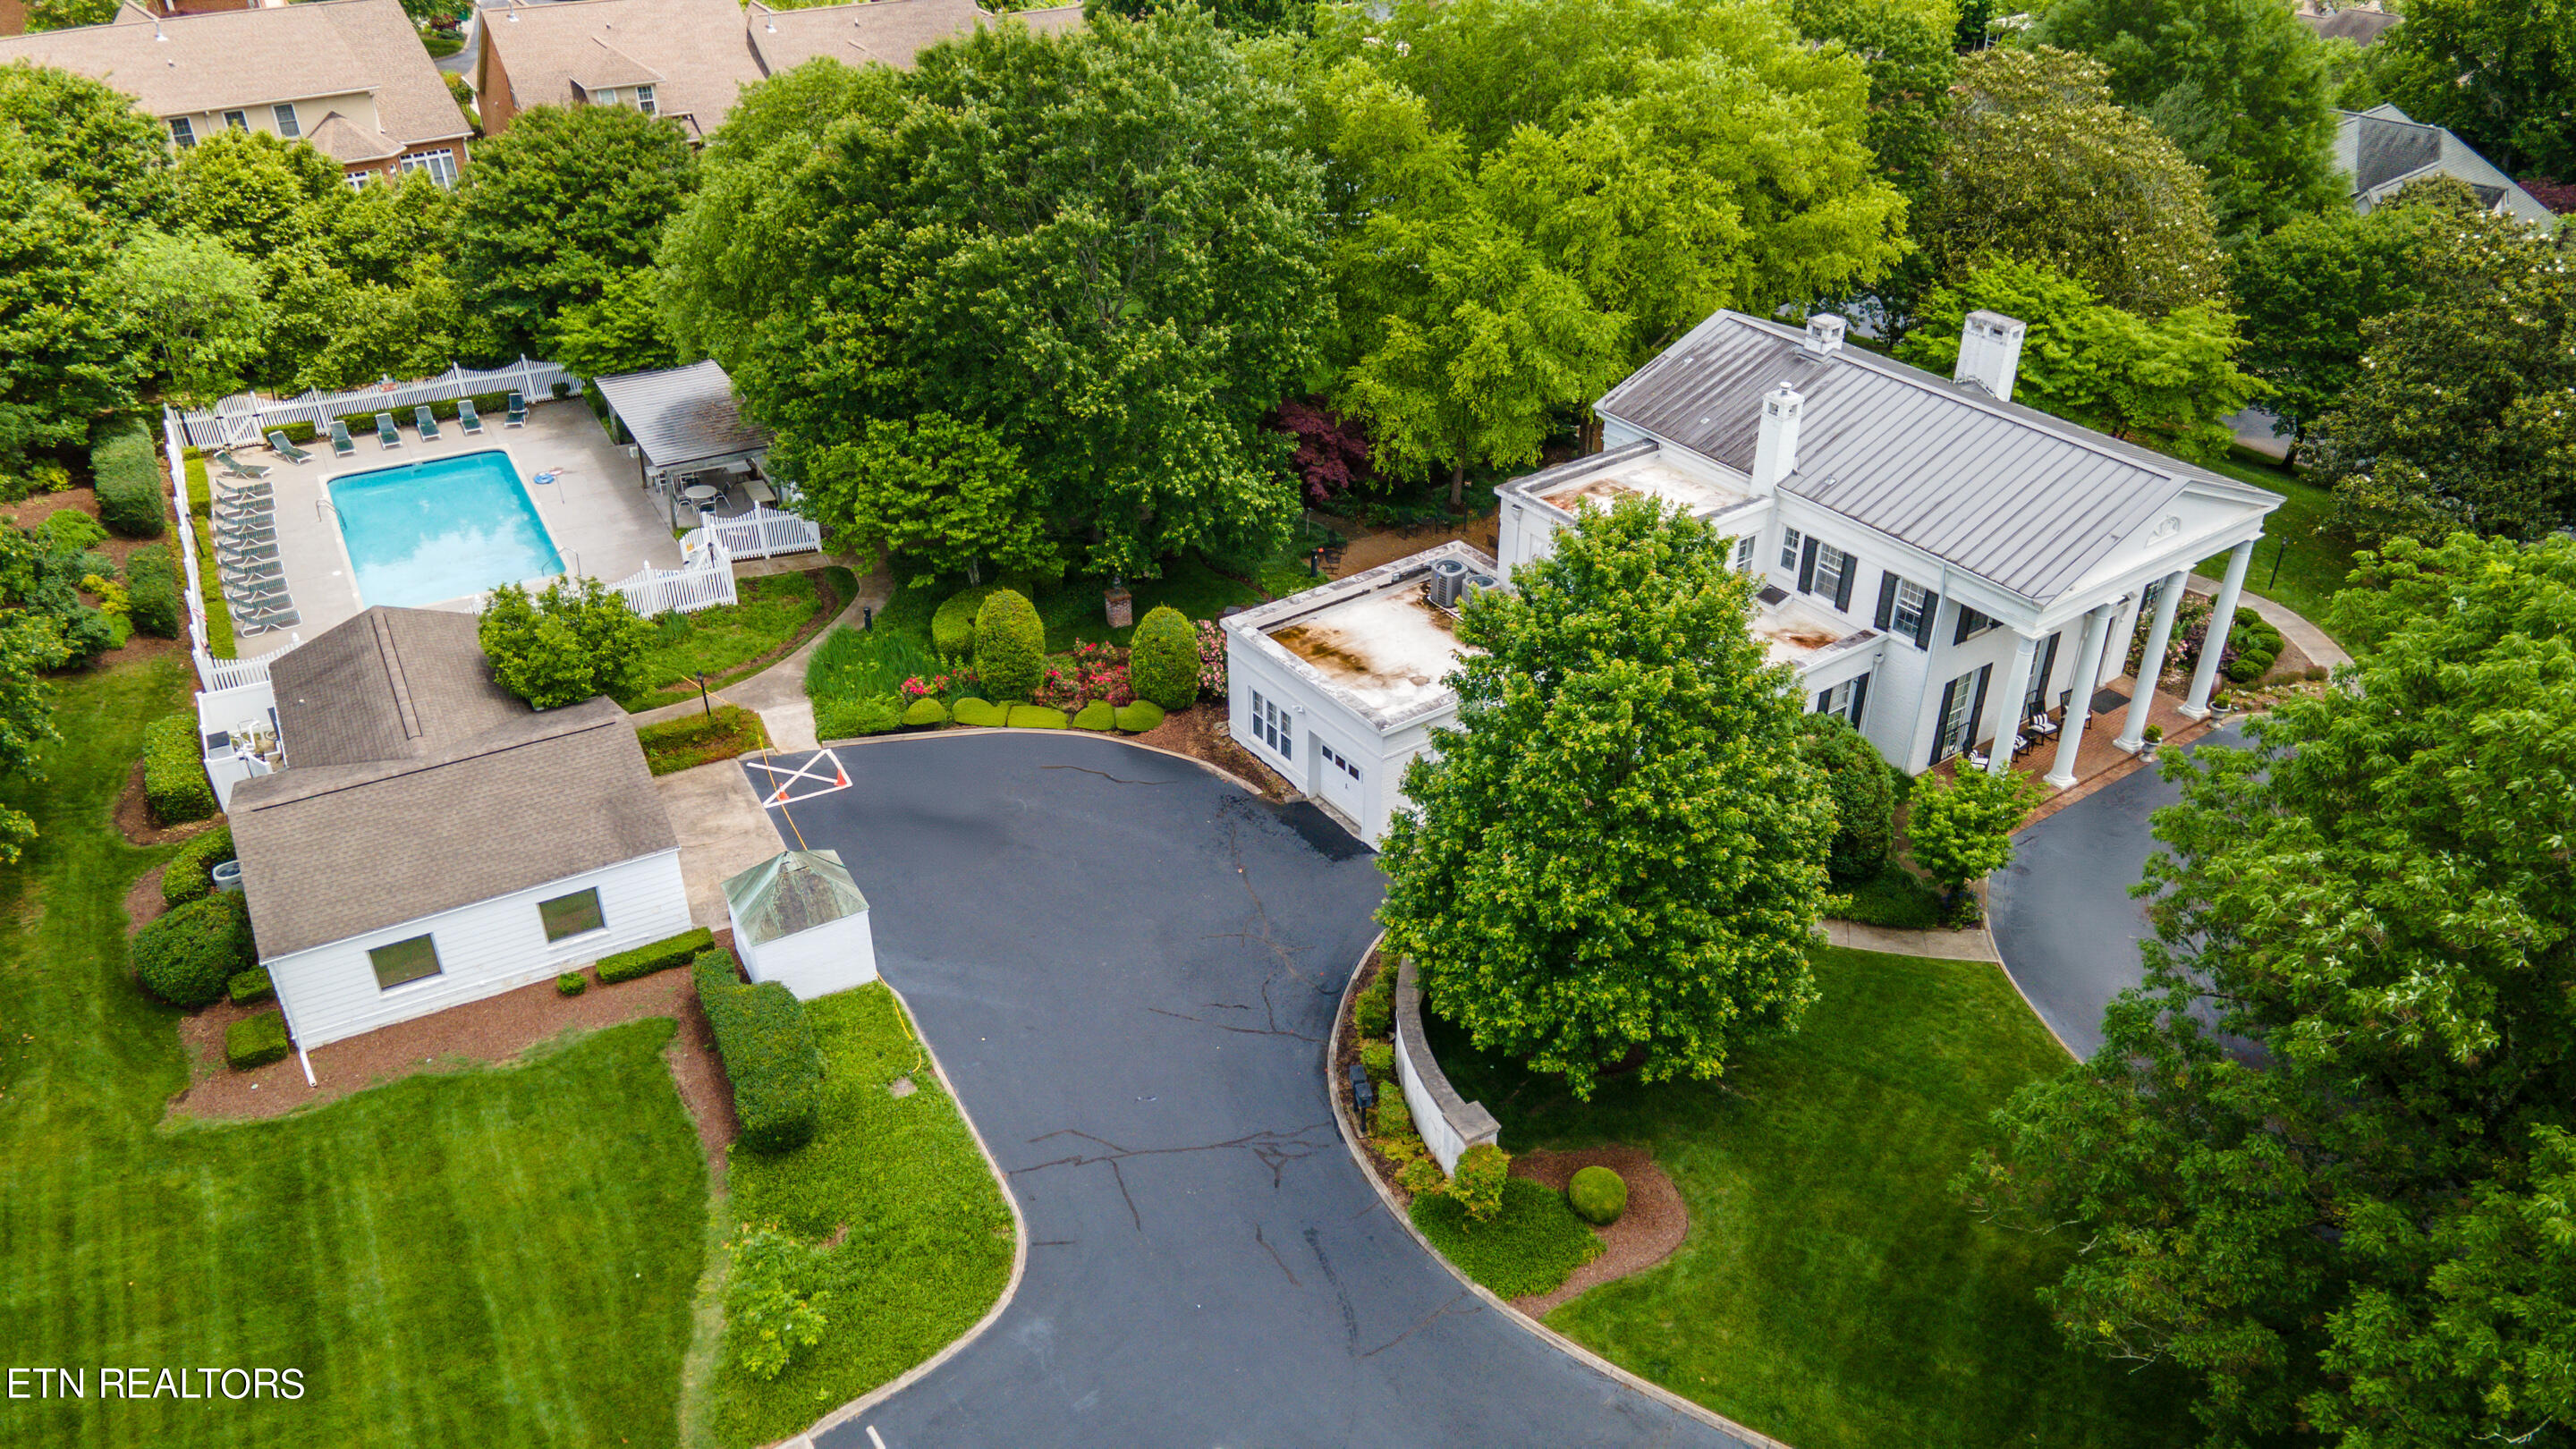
{"x": 644, "y": 100}
{"x": 1963, "y": 697}
{"x": 358, "y": 179}
{"x": 1831, "y": 564}
{"x": 287, "y": 125}
{"x": 440, "y": 164}
{"x": 1838, "y": 699}
{"x": 1905, "y": 620}
{"x": 236, "y": 120}
{"x": 1274, "y": 726}
{"x": 1338, "y": 760}
{"x": 1744, "y": 554}
{"x": 182, "y": 134}
{"x": 1790, "y": 539}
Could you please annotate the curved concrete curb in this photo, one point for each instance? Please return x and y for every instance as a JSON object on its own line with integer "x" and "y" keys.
{"x": 1976, "y": 945}
{"x": 1386, "y": 1199}
{"x": 1019, "y": 1257}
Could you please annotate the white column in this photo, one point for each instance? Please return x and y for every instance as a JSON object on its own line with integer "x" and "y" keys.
{"x": 2221, "y": 615}
{"x": 2079, "y": 703}
{"x": 2016, "y": 684}
{"x": 2150, "y": 664}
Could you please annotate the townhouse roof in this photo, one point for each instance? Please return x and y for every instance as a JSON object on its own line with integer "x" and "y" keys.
{"x": 222, "y": 60}
{"x": 1370, "y": 640}
{"x": 694, "y": 53}
{"x": 416, "y": 785}
{"x": 890, "y": 32}
{"x": 2360, "y": 25}
{"x": 2008, "y": 493}
{"x": 2383, "y": 148}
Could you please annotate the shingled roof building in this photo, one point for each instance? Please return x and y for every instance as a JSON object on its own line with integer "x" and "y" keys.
{"x": 348, "y": 76}
{"x": 2381, "y": 149}
{"x": 689, "y": 59}
{"x": 432, "y": 840}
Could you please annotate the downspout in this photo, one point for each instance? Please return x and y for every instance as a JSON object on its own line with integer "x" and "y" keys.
{"x": 288, "y": 1011}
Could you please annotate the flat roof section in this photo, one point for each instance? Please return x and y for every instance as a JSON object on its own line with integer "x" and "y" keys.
{"x": 1649, "y": 477}
{"x": 1797, "y": 633}
{"x": 1388, "y": 649}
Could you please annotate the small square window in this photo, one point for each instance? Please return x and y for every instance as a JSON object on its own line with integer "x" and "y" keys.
{"x": 287, "y": 125}
{"x": 404, "y": 961}
{"x": 236, "y": 121}
{"x": 182, "y": 133}
{"x": 572, "y": 915}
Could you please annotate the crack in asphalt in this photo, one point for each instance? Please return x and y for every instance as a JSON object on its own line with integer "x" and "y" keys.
{"x": 1274, "y": 1256}
{"x": 1260, "y": 909}
{"x": 1269, "y": 1013}
{"x": 1272, "y": 1148}
{"x": 1434, "y": 1316}
{"x": 1104, "y": 774}
{"x": 1341, "y": 1295}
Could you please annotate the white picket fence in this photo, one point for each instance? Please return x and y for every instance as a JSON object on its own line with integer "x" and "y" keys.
{"x": 763, "y": 532}
{"x": 245, "y": 419}
{"x": 215, "y": 674}
{"x": 702, "y": 581}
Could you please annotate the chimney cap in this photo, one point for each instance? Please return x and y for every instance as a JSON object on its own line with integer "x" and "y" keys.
{"x": 1824, "y": 334}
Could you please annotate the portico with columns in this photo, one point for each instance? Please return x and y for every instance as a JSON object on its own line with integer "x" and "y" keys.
{"x": 1957, "y": 575}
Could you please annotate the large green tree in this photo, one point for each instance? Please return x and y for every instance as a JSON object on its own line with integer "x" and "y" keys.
{"x": 559, "y": 204}
{"x": 2044, "y": 165}
{"x": 2171, "y": 381}
{"x": 198, "y": 307}
{"x": 941, "y": 496}
{"x": 2322, "y": 1158}
{"x": 2307, "y": 289}
{"x": 92, "y": 139}
{"x": 31, "y": 645}
{"x": 1099, "y": 248}
{"x": 1621, "y": 847}
{"x": 2465, "y": 412}
{"x": 255, "y": 191}
{"x": 65, "y": 353}
{"x": 2238, "y": 85}
{"x": 2502, "y": 73}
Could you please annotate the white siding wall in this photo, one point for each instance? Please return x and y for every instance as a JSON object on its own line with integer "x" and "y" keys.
{"x": 831, "y": 957}
{"x": 1381, "y": 758}
{"x": 330, "y": 991}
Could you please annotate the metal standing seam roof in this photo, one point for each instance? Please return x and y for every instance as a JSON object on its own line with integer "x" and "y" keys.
{"x": 791, "y": 892}
{"x": 2008, "y": 493}
{"x": 682, "y": 414}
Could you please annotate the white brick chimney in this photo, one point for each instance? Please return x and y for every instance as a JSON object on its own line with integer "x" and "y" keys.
{"x": 1775, "y": 447}
{"x": 1989, "y": 353}
{"x": 1824, "y": 335}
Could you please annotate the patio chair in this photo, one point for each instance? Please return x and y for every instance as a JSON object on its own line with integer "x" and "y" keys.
{"x": 388, "y": 437}
{"x": 260, "y": 594}
{"x": 235, "y": 468}
{"x": 342, "y": 445}
{"x": 246, "y": 574}
{"x": 254, "y": 553}
{"x": 468, "y": 421}
{"x": 248, "y": 531}
{"x": 278, "y": 444}
{"x": 518, "y": 411}
{"x": 268, "y": 622}
{"x": 245, "y": 495}
{"x": 426, "y": 422}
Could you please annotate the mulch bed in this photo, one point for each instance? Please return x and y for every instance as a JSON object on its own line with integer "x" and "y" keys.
{"x": 1200, "y": 733}
{"x": 134, "y": 818}
{"x": 143, "y": 903}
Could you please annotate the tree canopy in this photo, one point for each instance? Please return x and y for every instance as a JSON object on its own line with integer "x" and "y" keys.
{"x": 65, "y": 356}
{"x": 1622, "y": 845}
{"x": 2239, "y": 86}
{"x": 198, "y": 306}
{"x": 2322, "y": 1160}
{"x": 2501, "y": 75}
{"x": 2307, "y": 289}
{"x": 1099, "y": 248}
{"x": 92, "y": 139}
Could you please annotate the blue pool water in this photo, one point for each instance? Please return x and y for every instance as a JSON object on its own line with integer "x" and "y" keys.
{"x": 427, "y": 532}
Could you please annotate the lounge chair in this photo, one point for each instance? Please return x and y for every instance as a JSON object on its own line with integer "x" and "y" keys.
{"x": 239, "y": 500}
{"x": 425, "y": 422}
{"x": 342, "y": 445}
{"x": 268, "y": 622}
{"x": 518, "y": 411}
{"x": 233, "y": 468}
{"x": 468, "y": 421}
{"x": 388, "y": 437}
{"x": 260, "y": 594}
{"x": 257, "y": 528}
{"x": 246, "y": 573}
{"x": 255, "y": 553}
{"x": 278, "y": 444}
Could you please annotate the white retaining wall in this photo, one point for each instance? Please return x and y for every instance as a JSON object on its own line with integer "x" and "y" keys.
{"x": 1449, "y": 1124}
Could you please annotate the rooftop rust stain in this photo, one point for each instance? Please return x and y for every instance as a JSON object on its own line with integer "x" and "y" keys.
{"x": 1337, "y": 652}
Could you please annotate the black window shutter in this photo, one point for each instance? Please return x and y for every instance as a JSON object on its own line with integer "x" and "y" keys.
{"x": 1807, "y": 567}
{"x": 1886, "y": 598}
{"x": 1967, "y": 621}
{"x": 1824, "y": 697}
{"x": 1941, "y": 724}
{"x": 1977, "y": 708}
{"x": 1923, "y": 626}
{"x": 2039, "y": 679}
{"x": 1843, "y": 587}
{"x": 1860, "y": 696}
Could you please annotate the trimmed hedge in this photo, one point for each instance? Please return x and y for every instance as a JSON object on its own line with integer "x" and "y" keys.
{"x": 1096, "y": 715}
{"x": 174, "y": 771}
{"x": 843, "y": 719}
{"x": 1139, "y": 717}
{"x": 68, "y": 530}
{"x": 659, "y": 956}
{"x": 1373, "y": 1014}
{"x": 1163, "y": 662}
{"x": 769, "y": 1055}
{"x": 152, "y": 592}
{"x": 1597, "y": 1195}
{"x": 925, "y": 713}
{"x": 1010, "y": 645}
{"x": 190, "y": 956}
{"x": 982, "y": 714}
{"x": 1477, "y": 1183}
{"x": 1377, "y": 1058}
{"x": 952, "y": 624}
{"x": 190, "y": 875}
{"x": 128, "y": 477}
{"x": 249, "y": 986}
{"x": 571, "y": 983}
{"x": 255, "y": 1041}
{"x": 1036, "y": 717}
{"x": 1394, "y": 1113}
{"x": 2254, "y": 646}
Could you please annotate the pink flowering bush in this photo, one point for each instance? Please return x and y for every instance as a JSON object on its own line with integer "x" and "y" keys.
{"x": 955, "y": 684}
{"x": 1211, "y": 659}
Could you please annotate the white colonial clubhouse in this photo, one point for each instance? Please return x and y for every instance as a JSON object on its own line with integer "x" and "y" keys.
{"x": 1953, "y": 573}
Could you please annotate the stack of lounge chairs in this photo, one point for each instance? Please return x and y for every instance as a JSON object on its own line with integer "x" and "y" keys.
{"x": 245, "y": 532}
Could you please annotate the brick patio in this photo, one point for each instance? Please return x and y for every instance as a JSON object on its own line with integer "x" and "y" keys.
{"x": 2099, "y": 762}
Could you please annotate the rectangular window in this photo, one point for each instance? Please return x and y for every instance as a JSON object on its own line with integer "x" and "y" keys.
{"x": 1273, "y": 726}
{"x": 286, "y": 123}
{"x": 606, "y": 95}
{"x": 440, "y": 164}
{"x": 182, "y": 133}
{"x": 1907, "y": 617}
{"x": 1789, "y": 541}
{"x": 1962, "y": 695}
{"x": 1837, "y": 700}
{"x": 572, "y": 915}
{"x": 236, "y": 121}
{"x": 1833, "y": 567}
{"x": 1744, "y": 554}
{"x": 644, "y": 99}
{"x": 1971, "y": 624}
{"x": 358, "y": 179}
{"x": 404, "y": 961}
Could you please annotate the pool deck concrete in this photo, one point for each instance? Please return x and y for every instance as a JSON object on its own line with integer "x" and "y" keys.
{"x": 602, "y": 521}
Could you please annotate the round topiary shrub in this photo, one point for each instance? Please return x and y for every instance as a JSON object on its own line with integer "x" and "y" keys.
{"x": 1036, "y": 717}
{"x": 190, "y": 956}
{"x": 952, "y": 624}
{"x": 1139, "y": 717}
{"x": 1163, "y": 661}
{"x": 980, "y": 713}
{"x": 1010, "y": 645}
{"x": 1096, "y": 715}
{"x": 571, "y": 983}
{"x": 925, "y": 713}
{"x": 191, "y": 873}
{"x": 1597, "y": 1195}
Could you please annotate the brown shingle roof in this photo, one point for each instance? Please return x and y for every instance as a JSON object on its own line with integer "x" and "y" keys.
{"x": 891, "y": 32}
{"x": 417, "y": 786}
{"x": 244, "y": 59}
{"x": 694, "y": 50}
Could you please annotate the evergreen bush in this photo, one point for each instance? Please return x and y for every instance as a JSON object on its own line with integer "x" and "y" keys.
{"x": 1097, "y": 715}
{"x": 152, "y": 597}
{"x": 249, "y": 986}
{"x": 661, "y": 955}
{"x": 1597, "y": 1195}
{"x": 1477, "y": 1182}
{"x": 1373, "y": 1014}
{"x": 128, "y": 477}
{"x": 1139, "y": 717}
{"x": 571, "y": 983}
{"x": 255, "y": 1041}
{"x": 847, "y": 719}
{"x": 982, "y": 714}
{"x": 190, "y": 956}
{"x": 1394, "y": 1114}
{"x": 1864, "y": 805}
{"x": 769, "y": 1055}
{"x": 174, "y": 771}
{"x": 1036, "y": 717}
{"x": 1010, "y": 645}
{"x": 952, "y": 624}
{"x": 68, "y": 530}
{"x": 925, "y": 713}
{"x": 191, "y": 873}
{"x": 1377, "y": 1058}
{"x": 1163, "y": 661}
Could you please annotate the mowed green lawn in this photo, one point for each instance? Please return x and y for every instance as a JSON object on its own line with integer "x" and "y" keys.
{"x": 494, "y": 1258}
{"x": 1833, "y": 1292}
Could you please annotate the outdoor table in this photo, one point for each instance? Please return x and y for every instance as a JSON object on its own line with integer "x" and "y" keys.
{"x": 702, "y": 493}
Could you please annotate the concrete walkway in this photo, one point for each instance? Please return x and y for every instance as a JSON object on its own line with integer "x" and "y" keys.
{"x": 2312, "y": 641}
{"x": 777, "y": 694}
{"x": 1976, "y": 945}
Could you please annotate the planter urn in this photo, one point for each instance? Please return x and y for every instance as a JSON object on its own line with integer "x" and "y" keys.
{"x": 1121, "y": 607}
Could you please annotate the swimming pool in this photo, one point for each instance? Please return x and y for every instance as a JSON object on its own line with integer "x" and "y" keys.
{"x": 441, "y": 529}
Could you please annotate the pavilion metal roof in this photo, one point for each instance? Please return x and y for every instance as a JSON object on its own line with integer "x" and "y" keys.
{"x": 682, "y": 414}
